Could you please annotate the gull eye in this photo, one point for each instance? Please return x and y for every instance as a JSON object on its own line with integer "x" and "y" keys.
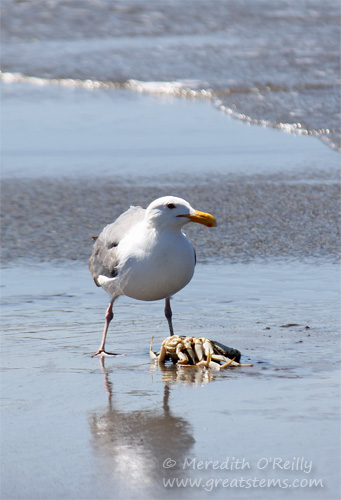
{"x": 171, "y": 206}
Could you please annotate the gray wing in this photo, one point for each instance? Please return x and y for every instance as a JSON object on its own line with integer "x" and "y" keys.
{"x": 103, "y": 260}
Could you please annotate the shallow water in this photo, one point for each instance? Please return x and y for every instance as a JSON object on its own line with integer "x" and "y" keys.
{"x": 108, "y": 132}
{"x": 272, "y": 63}
{"x": 75, "y": 429}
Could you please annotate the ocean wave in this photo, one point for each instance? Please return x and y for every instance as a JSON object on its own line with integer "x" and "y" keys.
{"x": 7, "y": 77}
{"x": 296, "y": 128}
{"x": 186, "y": 88}
{"x": 191, "y": 89}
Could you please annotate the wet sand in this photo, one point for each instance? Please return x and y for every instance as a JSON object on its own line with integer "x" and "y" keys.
{"x": 72, "y": 428}
{"x": 75, "y": 429}
{"x": 258, "y": 217}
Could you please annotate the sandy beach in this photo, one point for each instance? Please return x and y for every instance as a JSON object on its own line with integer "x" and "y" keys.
{"x": 267, "y": 282}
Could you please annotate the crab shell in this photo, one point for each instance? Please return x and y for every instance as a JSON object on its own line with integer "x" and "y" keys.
{"x": 196, "y": 351}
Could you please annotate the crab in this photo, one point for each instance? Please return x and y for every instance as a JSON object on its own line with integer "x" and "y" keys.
{"x": 196, "y": 351}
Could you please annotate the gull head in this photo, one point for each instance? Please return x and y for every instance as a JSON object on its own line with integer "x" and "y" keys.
{"x": 170, "y": 211}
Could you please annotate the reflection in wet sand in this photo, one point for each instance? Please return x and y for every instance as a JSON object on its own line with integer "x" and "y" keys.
{"x": 190, "y": 375}
{"x": 135, "y": 444}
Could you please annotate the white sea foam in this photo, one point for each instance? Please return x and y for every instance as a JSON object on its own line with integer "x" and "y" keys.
{"x": 186, "y": 88}
{"x": 63, "y": 82}
{"x": 289, "y": 128}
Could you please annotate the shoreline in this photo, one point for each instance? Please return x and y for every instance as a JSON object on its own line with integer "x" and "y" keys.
{"x": 172, "y": 89}
{"x": 110, "y": 131}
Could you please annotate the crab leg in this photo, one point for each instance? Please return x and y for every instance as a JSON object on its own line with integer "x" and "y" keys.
{"x": 163, "y": 352}
{"x": 183, "y": 359}
{"x": 198, "y": 349}
{"x": 219, "y": 357}
{"x": 232, "y": 362}
{"x": 215, "y": 366}
{"x": 151, "y": 353}
{"x": 205, "y": 363}
{"x": 188, "y": 346}
{"x": 208, "y": 348}
{"x": 226, "y": 365}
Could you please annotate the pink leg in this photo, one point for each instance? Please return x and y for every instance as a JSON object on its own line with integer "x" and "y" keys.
{"x": 108, "y": 317}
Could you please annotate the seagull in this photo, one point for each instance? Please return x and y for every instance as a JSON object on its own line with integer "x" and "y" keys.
{"x": 146, "y": 255}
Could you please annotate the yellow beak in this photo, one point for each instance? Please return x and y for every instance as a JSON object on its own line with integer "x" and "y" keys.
{"x": 202, "y": 218}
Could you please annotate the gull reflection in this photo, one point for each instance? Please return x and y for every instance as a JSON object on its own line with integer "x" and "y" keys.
{"x": 134, "y": 444}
